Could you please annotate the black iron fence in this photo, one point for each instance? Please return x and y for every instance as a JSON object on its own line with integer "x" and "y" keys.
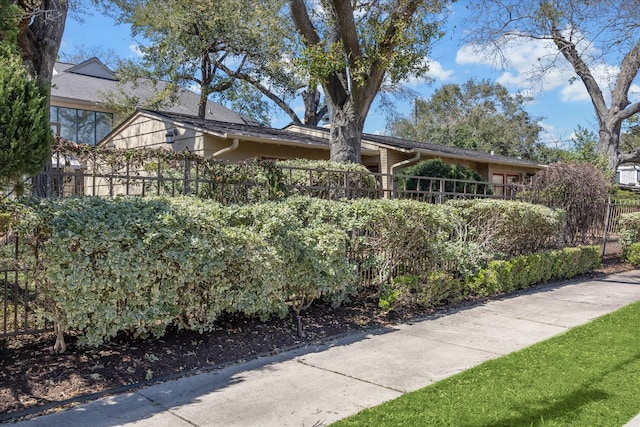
{"x": 101, "y": 175}
{"x": 83, "y": 172}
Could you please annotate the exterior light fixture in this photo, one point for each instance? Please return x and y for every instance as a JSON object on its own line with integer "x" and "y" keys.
{"x": 170, "y": 135}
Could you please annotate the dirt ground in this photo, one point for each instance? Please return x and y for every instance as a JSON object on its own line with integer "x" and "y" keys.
{"x": 34, "y": 380}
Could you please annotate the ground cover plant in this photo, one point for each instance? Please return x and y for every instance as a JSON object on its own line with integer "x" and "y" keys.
{"x": 585, "y": 377}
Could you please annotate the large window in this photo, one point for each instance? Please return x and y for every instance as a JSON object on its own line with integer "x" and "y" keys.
{"x": 81, "y": 126}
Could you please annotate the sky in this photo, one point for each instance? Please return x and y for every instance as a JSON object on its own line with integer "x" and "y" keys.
{"x": 559, "y": 104}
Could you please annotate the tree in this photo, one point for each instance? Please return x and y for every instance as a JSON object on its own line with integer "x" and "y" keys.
{"x": 25, "y": 136}
{"x": 353, "y": 46}
{"x": 236, "y": 57}
{"x": 480, "y": 116}
{"x": 39, "y": 35}
{"x": 587, "y": 35}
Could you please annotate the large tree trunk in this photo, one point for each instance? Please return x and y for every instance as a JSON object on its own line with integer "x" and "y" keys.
{"x": 609, "y": 141}
{"x": 40, "y": 34}
{"x": 346, "y": 132}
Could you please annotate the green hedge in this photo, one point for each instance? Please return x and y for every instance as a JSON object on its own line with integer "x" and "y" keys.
{"x": 139, "y": 265}
{"x": 507, "y": 229}
{"x": 525, "y": 270}
{"x": 629, "y": 228}
{"x": 326, "y": 179}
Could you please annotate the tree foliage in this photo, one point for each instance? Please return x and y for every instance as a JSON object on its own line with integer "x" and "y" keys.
{"x": 351, "y": 47}
{"x": 587, "y": 36}
{"x": 25, "y": 136}
{"x": 239, "y": 58}
{"x": 585, "y": 150}
{"x": 479, "y": 115}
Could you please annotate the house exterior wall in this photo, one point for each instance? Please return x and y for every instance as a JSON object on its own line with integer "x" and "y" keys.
{"x": 251, "y": 149}
{"x": 627, "y": 175}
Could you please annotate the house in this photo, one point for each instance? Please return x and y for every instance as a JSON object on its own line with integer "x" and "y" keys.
{"x": 628, "y": 175}
{"x": 79, "y": 113}
{"x": 241, "y": 141}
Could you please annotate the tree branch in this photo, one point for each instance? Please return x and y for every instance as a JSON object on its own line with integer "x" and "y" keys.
{"x": 569, "y": 51}
{"x": 628, "y": 71}
{"x": 303, "y": 23}
{"x": 264, "y": 90}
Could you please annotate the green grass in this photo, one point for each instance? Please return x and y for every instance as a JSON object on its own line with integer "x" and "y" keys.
{"x": 589, "y": 376}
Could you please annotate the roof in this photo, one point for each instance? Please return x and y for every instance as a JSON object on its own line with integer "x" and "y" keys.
{"x": 89, "y": 81}
{"x": 449, "y": 151}
{"x": 430, "y": 149}
{"x": 227, "y": 130}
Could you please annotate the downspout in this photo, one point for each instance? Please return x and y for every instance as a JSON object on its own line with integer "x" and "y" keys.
{"x": 397, "y": 165}
{"x": 404, "y": 162}
{"x": 233, "y": 146}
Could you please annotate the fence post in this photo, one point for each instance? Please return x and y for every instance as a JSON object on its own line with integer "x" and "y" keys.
{"x": 606, "y": 227}
{"x": 187, "y": 177}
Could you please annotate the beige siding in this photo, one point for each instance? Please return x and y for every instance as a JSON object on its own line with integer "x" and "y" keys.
{"x": 251, "y": 149}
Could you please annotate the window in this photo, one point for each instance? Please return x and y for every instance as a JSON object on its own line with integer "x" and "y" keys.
{"x": 81, "y": 126}
{"x": 498, "y": 180}
{"x": 501, "y": 183}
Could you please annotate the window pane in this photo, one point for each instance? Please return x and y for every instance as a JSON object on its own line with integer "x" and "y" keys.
{"x": 53, "y": 114}
{"x": 104, "y": 124}
{"x": 67, "y": 120}
{"x": 86, "y": 127}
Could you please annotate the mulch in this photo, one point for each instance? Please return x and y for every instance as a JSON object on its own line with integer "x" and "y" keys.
{"x": 34, "y": 380}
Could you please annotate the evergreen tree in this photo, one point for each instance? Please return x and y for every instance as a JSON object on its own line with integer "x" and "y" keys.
{"x": 25, "y": 135}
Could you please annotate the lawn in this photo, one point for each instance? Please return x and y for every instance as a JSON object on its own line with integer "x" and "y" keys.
{"x": 589, "y": 376}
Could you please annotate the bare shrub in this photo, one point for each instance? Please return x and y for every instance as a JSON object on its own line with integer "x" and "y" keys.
{"x": 580, "y": 189}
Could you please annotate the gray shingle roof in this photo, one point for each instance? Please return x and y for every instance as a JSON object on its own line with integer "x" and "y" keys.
{"x": 445, "y": 150}
{"x": 248, "y": 131}
{"x": 434, "y": 149}
{"x": 89, "y": 81}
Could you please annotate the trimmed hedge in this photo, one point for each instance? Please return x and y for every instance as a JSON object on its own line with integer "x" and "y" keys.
{"x": 139, "y": 265}
{"x": 525, "y": 270}
{"x": 507, "y": 228}
{"x": 629, "y": 228}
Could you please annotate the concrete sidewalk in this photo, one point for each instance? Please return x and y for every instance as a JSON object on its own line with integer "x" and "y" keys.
{"x": 317, "y": 386}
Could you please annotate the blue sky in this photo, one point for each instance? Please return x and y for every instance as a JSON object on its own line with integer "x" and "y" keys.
{"x": 561, "y": 105}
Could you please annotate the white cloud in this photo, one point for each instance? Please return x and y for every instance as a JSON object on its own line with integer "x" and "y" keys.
{"x": 438, "y": 72}
{"x": 135, "y": 49}
{"x": 536, "y": 66}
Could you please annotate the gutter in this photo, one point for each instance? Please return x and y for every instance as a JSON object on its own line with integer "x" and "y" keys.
{"x": 233, "y": 146}
{"x": 404, "y": 162}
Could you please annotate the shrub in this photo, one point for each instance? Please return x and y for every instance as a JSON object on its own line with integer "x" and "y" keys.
{"x": 328, "y": 180}
{"x": 140, "y": 265}
{"x": 526, "y": 270}
{"x": 580, "y": 189}
{"x": 629, "y": 228}
{"x": 505, "y": 229}
{"x": 436, "y": 168}
{"x": 631, "y": 254}
{"x": 25, "y": 133}
{"x": 433, "y": 290}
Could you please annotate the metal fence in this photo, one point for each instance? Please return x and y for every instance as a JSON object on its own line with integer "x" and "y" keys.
{"x": 85, "y": 173}
{"x": 18, "y": 290}
{"x": 99, "y": 175}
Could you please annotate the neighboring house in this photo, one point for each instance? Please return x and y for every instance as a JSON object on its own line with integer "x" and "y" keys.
{"x": 77, "y": 104}
{"x": 235, "y": 142}
{"x": 628, "y": 175}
